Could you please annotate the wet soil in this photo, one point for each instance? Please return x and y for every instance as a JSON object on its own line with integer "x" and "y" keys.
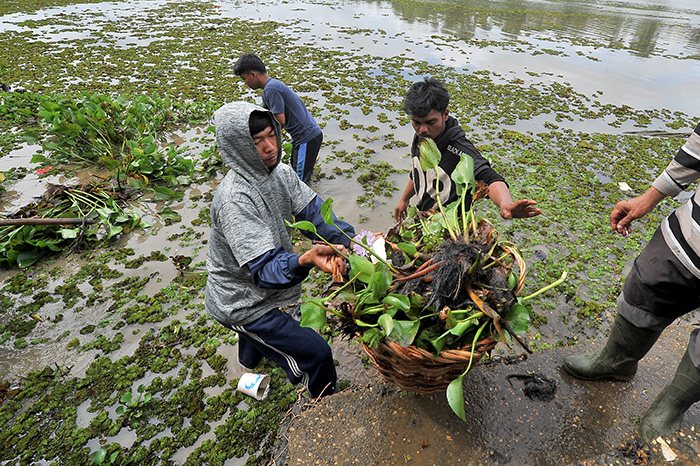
{"x": 584, "y": 422}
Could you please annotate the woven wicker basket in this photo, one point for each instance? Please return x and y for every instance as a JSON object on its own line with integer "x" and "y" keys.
{"x": 417, "y": 370}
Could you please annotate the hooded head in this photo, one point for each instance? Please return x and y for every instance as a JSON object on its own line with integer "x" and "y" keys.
{"x": 235, "y": 141}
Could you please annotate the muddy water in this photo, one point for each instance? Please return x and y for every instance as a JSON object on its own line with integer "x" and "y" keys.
{"x": 647, "y": 76}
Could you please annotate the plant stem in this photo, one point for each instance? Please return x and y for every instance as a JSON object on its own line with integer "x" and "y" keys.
{"x": 547, "y": 288}
{"x": 343, "y": 287}
{"x": 476, "y": 338}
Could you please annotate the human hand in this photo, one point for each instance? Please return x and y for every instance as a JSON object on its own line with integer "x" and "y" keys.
{"x": 524, "y": 208}
{"x": 326, "y": 258}
{"x": 625, "y": 212}
{"x": 400, "y": 210}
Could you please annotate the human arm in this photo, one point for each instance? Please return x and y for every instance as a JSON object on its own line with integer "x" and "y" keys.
{"x": 277, "y": 268}
{"x": 402, "y": 206}
{"x": 273, "y": 100}
{"x": 629, "y": 210}
{"x": 523, "y": 208}
{"x": 281, "y": 118}
{"x": 683, "y": 170}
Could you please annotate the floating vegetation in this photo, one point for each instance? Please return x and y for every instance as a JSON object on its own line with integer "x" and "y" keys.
{"x": 565, "y": 147}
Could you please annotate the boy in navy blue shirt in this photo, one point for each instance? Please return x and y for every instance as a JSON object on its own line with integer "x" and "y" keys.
{"x": 288, "y": 109}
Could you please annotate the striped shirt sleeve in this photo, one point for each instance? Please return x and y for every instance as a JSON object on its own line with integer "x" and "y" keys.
{"x": 683, "y": 169}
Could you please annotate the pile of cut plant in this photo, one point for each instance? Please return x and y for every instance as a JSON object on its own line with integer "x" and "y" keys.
{"x": 433, "y": 295}
{"x": 64, "y": 217}
{"x": 116, "y": 137}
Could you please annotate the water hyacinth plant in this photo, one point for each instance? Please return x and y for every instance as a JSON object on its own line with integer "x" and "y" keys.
{"x": 450, "y": 281}
{"x": 106, "y": 214}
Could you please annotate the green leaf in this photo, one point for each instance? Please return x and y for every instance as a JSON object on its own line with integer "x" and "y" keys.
{"x": 169, "y": 214}
{"x": 303, "y": 225}
{"x": 404, "y": 332}
{"x": 387, "y": 323}
{"x": 361, "y": 267}
{"x": 313, "y": 313}
{"x": 380, "y": 282}
{"x": 455, "y": 397}
{"x": 161, "y": 192}
{"x": 137, "y": 183}
{"x": 27, "y": 258}
{"x": 399, "y": 301}
{"x": 31, "y": 138}
{"x": 462, "y": 327}
{"x": 512, "y": 280}
{"x": 125, "y": 398}
{"x": 38, "y": 158}
{"x": 372, "y": 337}
{"x": 109, "y": 162}
{"x": 113, "y": 230}
{"x": 519, "y": 318}
{"x": 327, "y": 211}
{"x": 408, "y": 248}
{"x": 429, "y": 154}
{"x": 463, "y": 174}
{"x": 439, "y": 342}
{"x": 105, "y": 212}
{"x": 98, "y": 456}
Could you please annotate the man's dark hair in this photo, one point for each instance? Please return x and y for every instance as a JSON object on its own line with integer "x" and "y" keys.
{"x": 258, "y": 121}
{"x": 248, "y": 62}
{"x": 424, "y": 96}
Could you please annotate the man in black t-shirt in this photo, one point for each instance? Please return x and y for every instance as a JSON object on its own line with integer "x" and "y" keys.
{"x": 426, "y": 103}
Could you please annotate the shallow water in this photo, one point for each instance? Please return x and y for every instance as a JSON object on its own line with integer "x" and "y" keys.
{"x": 573, "y": 43}
{"x": 642, "y": 78}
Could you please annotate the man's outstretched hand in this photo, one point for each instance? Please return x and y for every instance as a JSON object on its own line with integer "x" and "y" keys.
{"x": 524, "y": 208}
{"x": 625, "y": 212}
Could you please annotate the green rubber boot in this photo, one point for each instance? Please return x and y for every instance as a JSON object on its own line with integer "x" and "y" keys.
{"x": 618, "y": 359}
{"x": 666, "y": 412}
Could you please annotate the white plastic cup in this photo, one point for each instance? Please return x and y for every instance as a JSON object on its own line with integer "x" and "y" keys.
{"x": 255, "y": 385}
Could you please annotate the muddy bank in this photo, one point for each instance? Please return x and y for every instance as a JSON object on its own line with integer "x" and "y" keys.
{"x": 583, "y": 421}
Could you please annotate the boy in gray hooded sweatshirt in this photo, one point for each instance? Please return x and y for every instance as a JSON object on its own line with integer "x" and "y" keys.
{"x": 253, "y": 270}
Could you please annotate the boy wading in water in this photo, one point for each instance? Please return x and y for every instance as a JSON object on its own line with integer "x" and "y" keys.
{"x": 288, "y": 109}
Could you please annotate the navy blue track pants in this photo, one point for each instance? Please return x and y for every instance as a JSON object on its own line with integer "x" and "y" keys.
{"x": 301, "y": 352}
{"x": 304, "y": 157}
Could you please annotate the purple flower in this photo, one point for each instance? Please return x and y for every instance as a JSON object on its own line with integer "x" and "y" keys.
{"x": 365, "y": 237}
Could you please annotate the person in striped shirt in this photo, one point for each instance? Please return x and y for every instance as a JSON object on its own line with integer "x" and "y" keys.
{"x": 663, "y": 284}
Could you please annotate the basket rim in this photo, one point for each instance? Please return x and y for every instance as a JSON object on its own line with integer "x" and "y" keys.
{"x": 446, "y": 356}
